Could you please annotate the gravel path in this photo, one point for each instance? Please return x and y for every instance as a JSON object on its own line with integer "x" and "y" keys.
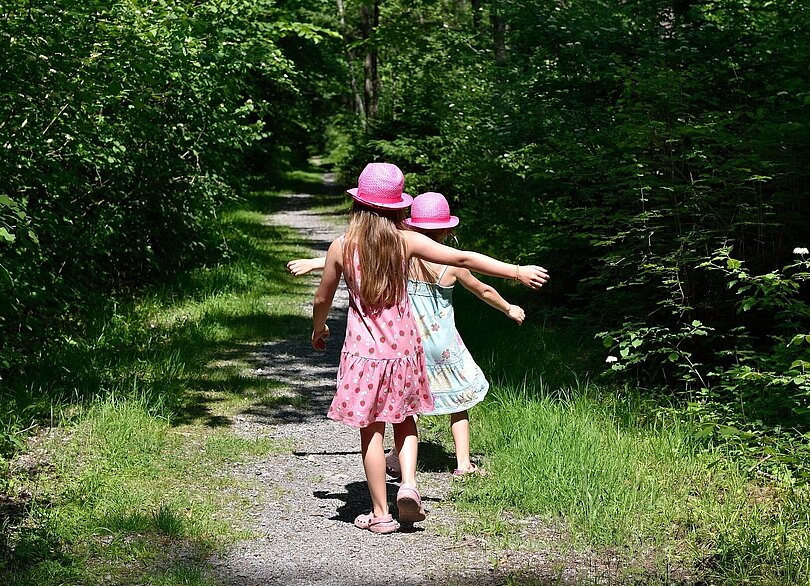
{"x": 307, "y": 498}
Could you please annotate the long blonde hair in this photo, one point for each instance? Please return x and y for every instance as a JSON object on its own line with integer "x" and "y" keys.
{"x": 419, "y": 269}
{"x": 374, "y": 233}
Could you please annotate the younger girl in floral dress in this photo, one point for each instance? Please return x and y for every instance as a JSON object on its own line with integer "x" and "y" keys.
{"x": 456, "y": 381}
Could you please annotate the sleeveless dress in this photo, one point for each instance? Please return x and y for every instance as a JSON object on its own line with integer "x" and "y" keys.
{"x": 382, "y": 375}
{"x": 456, "y": 381}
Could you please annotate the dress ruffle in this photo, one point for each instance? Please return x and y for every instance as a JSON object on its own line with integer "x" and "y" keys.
{"x": 456, "y": 381}
{"x": 456, "y": 386}
{"x": 371, "y": 390}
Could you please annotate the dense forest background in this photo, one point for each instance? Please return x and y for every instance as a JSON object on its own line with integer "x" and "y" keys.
{"x": 652, "y": 155}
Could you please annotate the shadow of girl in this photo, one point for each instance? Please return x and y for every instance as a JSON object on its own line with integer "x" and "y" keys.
{"x": 356, "y": 501}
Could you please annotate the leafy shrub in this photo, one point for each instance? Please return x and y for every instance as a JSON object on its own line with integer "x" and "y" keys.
{"x": 125, "y": 128}
{"x": 623, "y": 145}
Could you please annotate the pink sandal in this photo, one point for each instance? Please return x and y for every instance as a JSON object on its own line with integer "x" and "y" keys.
{"x": 409, "y": 504}
{"x": 473, "y": 470}
{"x": 384, "y": 524}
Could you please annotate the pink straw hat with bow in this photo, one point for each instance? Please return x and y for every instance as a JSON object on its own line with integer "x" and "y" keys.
{"x": 430, "y": 211}
{"x": 380, "y": 186}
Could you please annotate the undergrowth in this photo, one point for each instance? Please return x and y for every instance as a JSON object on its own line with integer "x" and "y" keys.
{"x": 126, "y": 429}
{"x": 612, "y": 470}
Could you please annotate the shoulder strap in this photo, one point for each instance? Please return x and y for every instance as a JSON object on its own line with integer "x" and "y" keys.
{"x": 439, "y": 280}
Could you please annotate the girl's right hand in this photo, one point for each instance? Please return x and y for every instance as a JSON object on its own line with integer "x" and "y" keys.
{"x": 516, "y": 313}
{"x": 319, "y": 338}
{"x": 532, "y": 276}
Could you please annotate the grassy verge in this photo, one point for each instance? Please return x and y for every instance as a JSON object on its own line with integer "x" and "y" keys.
{"x": 326, "y": 202}
{"x": 610, "y": 472}
{"x": 130, "y": 484}
{"x": 130, "y": 489}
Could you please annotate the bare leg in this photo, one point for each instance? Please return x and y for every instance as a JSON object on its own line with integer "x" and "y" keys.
{"x": 371, "y": 448}
{"x": 406, "y": 443}
{"x": 392, "y": 467}
{"x": 460, "y": 426}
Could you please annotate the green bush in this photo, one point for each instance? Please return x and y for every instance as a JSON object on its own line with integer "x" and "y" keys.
{"x": 125, "y": 128}
{"x": 621, "y": 145}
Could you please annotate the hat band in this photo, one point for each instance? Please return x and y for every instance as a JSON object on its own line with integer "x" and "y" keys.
{"x": 379, "y": 198}
{"x": 431, "y": 220}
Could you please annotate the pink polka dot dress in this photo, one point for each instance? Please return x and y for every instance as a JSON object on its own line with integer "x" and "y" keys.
{"x": 382, "y": 375}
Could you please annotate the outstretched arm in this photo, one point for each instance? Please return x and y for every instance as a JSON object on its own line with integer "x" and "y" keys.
{"x": 489, "y": 295}
{"x": 302, "y": 266}
{"x": 333, "y": 268}
{"x": 421, "y": 246}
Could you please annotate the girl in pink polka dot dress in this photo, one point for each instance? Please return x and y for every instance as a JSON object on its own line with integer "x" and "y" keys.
{"x": 382, "y": 376}
{"x": 382, "y": 366}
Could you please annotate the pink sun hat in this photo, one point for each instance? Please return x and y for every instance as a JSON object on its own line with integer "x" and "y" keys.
{"x": 430, "y": 211}
{"x": 380, "y": 186}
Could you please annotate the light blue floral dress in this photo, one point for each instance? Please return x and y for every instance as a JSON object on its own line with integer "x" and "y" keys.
{"x": 456, "y": 381}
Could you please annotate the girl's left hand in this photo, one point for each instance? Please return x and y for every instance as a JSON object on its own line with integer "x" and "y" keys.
{"x": 300, "y": 266}
{"x": 319, "y": 338}
{"x": 516, "y": 313}
{"x": 532, "y": 276}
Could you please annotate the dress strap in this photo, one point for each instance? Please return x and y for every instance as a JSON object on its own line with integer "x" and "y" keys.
{"x": 439, "y": 280}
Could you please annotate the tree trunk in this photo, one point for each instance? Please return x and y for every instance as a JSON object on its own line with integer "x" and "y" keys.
{"x": 476, "y": 14}
{"x": 498, "y": 35}
{"x": 358, "y": 99}
{"x": 370, "y": 19}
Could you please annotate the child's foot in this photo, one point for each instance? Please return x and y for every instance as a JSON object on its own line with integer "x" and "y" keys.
{"x": 473, "y": 469}
{"x": 409, "y": 504}
{"x": 392, "y": 467}
{"x": 382, "y": 524}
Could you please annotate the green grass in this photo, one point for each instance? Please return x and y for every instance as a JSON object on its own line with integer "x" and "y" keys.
{"x": 606, "y": 471}
{"x": 130, "y": 476}
{"x": 126, "y": 490}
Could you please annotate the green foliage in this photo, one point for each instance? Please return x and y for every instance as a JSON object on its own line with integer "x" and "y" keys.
{"x": 621, "y": 145}
{"x": 756, "y": 385}
{"x": 126, "y": 126}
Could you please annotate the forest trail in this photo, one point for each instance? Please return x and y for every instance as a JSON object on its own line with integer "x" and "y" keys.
{"x": 308, "y": 496}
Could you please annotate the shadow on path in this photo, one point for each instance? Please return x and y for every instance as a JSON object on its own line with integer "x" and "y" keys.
{"x": 292, "y": 363}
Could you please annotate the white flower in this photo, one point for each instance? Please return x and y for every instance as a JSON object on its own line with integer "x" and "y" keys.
{"x": 610, "y": 359}
{"x": 801, "y": 251}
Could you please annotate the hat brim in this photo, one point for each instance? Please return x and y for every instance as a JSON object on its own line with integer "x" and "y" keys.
{"x": 451, "y": 223}
{"x": 406, "y": 201}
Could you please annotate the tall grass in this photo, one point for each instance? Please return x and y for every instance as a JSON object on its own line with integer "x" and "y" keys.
{"x": 138, "y": 412}
{"x": 606, "y": 468}
{"x": 126, "y": 490}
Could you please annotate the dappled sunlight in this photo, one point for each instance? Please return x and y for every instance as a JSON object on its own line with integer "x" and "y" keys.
{"x": 308, "y": 376}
